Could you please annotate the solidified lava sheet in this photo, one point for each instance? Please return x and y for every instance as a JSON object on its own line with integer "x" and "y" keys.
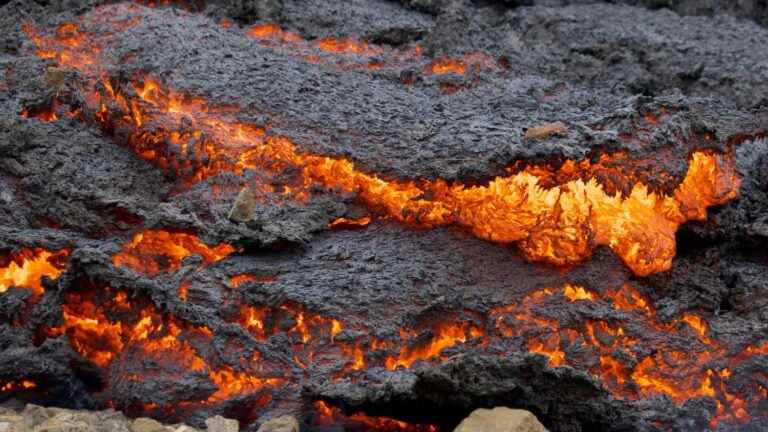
{"x": 381, "y": 215}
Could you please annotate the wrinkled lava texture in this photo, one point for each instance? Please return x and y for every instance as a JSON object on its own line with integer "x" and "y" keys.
{"x": 380, "y": 215}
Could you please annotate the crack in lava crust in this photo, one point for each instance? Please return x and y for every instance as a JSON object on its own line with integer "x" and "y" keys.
{"x": 561, "y": 224}
{"x": 633, "y": 353}
{"x": 554, "y": 215}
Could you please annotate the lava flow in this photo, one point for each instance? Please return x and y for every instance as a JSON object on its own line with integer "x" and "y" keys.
{"x": 139, "y": 329}
{"x": 26, "y": 268}
{"x": 696, "y": 368}
{"x": 20, "y": 385}
{"x": 254, "y": 312}
{"x": 561, "y": 224}
{"x": 633, "y": 353}
{"x": 151, "y": 252}
{"x": 328, "y": 416}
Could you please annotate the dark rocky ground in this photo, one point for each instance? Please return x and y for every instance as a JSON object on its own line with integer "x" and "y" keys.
{"x": 598, "y": 67}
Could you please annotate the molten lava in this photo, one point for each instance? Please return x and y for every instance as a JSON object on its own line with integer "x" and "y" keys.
{"x": 139, "y": 327}
{"x": 445, "y": 335}
{"x": 447, "y": 65}
{"x": 26, "y": 269}
{"x": 328, "y": 415}
{"x": 701, "y": 370}
{"x": 347, "y": 223}
{"x": 555, "y": 215}
{"x": 271, "y": 31}
{"x": 561, "y": 224}
{"x": 152, "y": 252}
{"x": 17, "y": 385}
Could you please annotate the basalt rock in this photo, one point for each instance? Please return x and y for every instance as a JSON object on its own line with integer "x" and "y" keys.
{"x": 384, "y": 215}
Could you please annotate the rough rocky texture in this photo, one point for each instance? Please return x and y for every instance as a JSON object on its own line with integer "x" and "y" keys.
{"x": 221, "y": 424}
{"x": 598, "y": 68}
{"x": 280, "y": 424}
{"x": 500, "y": 419}
{"x": 34, "y": 418}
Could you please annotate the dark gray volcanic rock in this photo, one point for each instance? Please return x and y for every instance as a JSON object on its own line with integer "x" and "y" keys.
{"x": 602, "y": 69}
{"x": 472, "y": 134}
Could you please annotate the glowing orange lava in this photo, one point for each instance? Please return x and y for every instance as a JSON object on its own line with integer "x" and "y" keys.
{"x": 560, "y": 223}
{"x": 349, "y": 46}
{"x": 555, "y": 215}
{"x": 17, "y": 385}
{"x": 678, "y": 375}
{"x": 240, "y": 279}
{"x": 347, "y": 223}
{"x": 101, "y": 339}
{"x": 447, "y": 65}
{"x": 152, "y": 252}
{"x": 445, "y": 335}
{"x": 26, "y": 268}
{"x": 272, "y": 31}
{"x": 328, "y": 415}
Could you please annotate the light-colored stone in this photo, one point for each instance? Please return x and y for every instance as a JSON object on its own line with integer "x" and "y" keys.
{"x": 185, "y": 428}
{"x": 500, "y": 419}
{"x": 280, "y": 424}
{"x": 64, "y": 424}
{"x": 245, "y": 204}
{"x": 221, "y": 424}
{"x": 546, "y": 130}
{"x": 114, "y": 425}
{"x": 144, "y": 424}
{"x": 12, "y": 423}
{"x": 35, "y": 414}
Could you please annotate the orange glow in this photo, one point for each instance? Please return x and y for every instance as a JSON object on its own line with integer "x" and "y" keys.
{"x": 357, "y": 357}
{"x": 17, "y": 385}
{"x": 183, "y": 291}
{"x": 447, "y": 65}
{"x": 46, "y": 114}
{"x": 273, "y": 32}
{"x": 574, "y": 293}
{"x": 153, "y": 252}
{"x": 101, "y": 340}
{"x": 26, "y": 269}
{"x": 330, "y": 415}
{"x": 66, "y": 47}
{"x": 237, "y": 280}
{"x": 556, "y": 216}
{"x": 549, "y": 348}
{"x": 697, "y": 324}
{"x": 345, "y": 46}
{"x": 307, "y": 325}
{"x": 345, "y": 223}
{"x": 445, "y": 336}
{"x": 628, "y": 299}
{"x": 678, "y": 375}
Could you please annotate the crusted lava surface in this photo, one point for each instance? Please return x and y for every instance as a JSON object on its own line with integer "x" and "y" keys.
{"x": 381, "y": 215}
